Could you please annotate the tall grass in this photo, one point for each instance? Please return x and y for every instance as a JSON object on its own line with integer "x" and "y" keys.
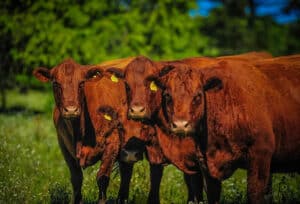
{"x": 32, "y": 169}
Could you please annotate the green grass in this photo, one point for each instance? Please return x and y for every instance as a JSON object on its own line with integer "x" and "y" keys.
{"x": 32, "y": 169}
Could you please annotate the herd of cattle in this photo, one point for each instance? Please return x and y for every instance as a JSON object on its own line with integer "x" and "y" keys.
{"x": 206, "y": 116}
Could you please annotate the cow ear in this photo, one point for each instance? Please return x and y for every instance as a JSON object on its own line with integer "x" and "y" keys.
{"x": 42, "y": 74}
{"x": 213, "y": 84}
{"x": 165, "y": 70}
{"x": 116, "y": 71}
{"x": 94, "y": 72}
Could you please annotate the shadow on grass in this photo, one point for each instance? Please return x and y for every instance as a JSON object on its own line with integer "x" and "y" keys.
{"x": 20, "y": 109}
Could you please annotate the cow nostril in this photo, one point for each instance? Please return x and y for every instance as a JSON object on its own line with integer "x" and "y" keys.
{"x": 186, "y": 125}
{"x": 142, "y": 109}
{"x": 174, "y": 125}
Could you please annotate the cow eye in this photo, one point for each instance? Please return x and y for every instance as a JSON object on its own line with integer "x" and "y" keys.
{"x": 96, "y": 74}
{"x": 167, "y": 98}
{"x": 153, "y": 87}
{"x": 197, "y": 99}
{"x": 81, "y": 84}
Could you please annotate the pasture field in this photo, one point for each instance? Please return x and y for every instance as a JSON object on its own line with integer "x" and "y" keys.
{"x": 32, "y": 169}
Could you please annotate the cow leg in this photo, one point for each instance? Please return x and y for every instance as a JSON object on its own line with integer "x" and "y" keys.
{"x": 194, "y": 184}
{"x": 156, "y": 172}
{"x": 269, "y": 193}
{"x": 213, "y": 189}
{"x": 126, "y": 173}
{"x": 258, "y": 177}
{"x": 75, "y": 171}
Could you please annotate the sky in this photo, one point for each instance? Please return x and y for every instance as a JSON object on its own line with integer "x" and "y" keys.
{"x": 272, "y": 8}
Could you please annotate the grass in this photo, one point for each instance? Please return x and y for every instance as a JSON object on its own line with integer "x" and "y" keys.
{"x": 32, "y": 169}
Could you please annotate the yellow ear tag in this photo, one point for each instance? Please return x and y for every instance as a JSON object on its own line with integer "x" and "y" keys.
{"x": 107, "y": 117}
{"x": 114, "y": 78}
{"x": 153, "y": 86}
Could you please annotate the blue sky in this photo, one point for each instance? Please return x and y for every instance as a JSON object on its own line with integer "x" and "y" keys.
{"x": 272, "y": 8}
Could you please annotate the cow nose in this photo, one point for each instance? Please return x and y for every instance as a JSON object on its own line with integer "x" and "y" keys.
{"x": 71, "y": 111}
{"x": 137, "y": 109}
{"x": 137, "y": 112}
{"x": 130, "y": 156}
{"x": 180, "y": 124}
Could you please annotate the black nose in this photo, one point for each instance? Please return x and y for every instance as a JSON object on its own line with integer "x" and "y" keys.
{"x": 130, "y": 156}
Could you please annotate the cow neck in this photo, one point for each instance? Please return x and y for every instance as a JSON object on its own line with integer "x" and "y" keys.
{"x": 73, "y": 128}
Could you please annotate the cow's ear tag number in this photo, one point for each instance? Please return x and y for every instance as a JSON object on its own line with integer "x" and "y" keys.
{"x": 153, "y": 86}
{"x": 107, "y": 117}
{"x": 114, "y": 78}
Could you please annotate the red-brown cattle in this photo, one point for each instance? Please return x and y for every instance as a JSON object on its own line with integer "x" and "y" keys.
{"x": 145, "y": 103}
{"x": 105, "y": 97}
{"x": 248, "y": 117}
{"x": 67, "y": 79}
{"x": 144, "y": 100}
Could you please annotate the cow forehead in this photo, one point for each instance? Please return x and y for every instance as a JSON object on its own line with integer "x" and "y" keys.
{"x": 184, "y": 81}
{"x": 68, "y": 71}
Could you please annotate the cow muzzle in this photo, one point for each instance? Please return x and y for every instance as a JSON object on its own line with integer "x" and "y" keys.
{"x": 70, "y": 112}
{"x": 130, "y": 156}
{"x": 137, "y": 112}
{"x": 181, "y": 127}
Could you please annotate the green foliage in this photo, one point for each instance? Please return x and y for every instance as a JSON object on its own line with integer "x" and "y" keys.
{"x": 39, "y": 33}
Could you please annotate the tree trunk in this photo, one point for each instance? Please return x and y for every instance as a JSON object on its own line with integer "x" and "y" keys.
{"x": 3, "y": 97}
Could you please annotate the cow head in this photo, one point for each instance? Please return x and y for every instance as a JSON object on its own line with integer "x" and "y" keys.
{"x": 142, "y": 93}
{"x": 107, "y": 104}
{"x": 183, "y": 97}
{"x": 67, "y": 79}
{"x": 133, "y": 141}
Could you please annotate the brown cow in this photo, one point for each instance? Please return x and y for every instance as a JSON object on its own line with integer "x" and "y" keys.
{"x": 247, "y": 120}
{"x": 67, "y": 79}
{"x": 144, "y": 102}
{"x": 105, "y": 97}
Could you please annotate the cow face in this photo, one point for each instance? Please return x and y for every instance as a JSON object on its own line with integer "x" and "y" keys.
{"x": 106, "y": 100}
{"x": 67, "y": 79}
{"x": 141, "y": 93}
{"x": 183, "y": 98}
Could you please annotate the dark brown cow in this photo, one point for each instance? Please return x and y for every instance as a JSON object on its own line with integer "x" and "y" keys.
{"x": 107, "y": 106}
{"x": 247, "y": 120}
{"x": 68, "y": 79}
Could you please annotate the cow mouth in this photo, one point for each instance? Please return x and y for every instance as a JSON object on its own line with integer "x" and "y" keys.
{"x": 183, "y": 132}
{"x": 136, "y": 117}
{"x": 71, "y": 116}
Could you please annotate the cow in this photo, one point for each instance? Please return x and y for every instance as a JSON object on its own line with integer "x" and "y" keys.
{"x": 245, "y": 116}
{"x": 67, "y": 80}
{"x": 105, "y": 92}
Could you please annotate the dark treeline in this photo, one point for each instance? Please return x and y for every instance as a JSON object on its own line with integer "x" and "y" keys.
{"x": 43, "y": 33}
